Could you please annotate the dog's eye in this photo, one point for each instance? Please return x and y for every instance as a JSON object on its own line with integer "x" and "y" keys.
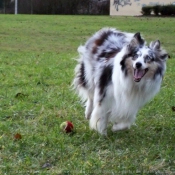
{"x": 148, "y": 58}
{"x": 135, "y": 56}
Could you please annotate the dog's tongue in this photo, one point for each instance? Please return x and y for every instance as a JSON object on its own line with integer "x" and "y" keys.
{"x": 138, "y": 74}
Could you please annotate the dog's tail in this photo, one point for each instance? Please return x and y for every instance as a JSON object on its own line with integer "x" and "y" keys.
{"x": 83, "y": 80}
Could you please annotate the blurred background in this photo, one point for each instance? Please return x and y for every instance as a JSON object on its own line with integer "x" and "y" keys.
{"x": 69, "y": 7}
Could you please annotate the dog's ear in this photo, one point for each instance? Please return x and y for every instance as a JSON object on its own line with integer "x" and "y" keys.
{"x": 135, "y": 43}
{"x": 164, "y": 56}
{"x": 155, "y": 45}
{"x": 139, "y": 39}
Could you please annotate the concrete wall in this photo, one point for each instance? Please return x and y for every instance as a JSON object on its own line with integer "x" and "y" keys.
{"x": 133, "y": 7}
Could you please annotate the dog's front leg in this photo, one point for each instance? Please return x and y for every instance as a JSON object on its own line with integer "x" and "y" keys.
{"x": 99, "y": 116}
{"x": 99, "y": 119}
{"x": 89, "y": 108}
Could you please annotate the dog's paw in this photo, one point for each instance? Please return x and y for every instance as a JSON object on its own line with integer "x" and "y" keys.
{"x": 120, "y": 126}
{"x": 87, "y": 115}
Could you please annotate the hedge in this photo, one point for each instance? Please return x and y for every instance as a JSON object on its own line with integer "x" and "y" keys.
{"x": 165, "y": 10}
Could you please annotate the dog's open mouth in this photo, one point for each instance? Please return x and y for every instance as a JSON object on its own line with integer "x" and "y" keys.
{"x": 139, "y": 73}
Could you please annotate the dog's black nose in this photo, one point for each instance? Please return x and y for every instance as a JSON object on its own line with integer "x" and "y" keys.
{"x": 138, "y": 65}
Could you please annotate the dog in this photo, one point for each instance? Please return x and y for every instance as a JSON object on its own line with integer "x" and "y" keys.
{"x": 116, "y": 75}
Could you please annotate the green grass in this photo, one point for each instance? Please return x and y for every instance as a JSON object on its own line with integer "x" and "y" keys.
{"x": 36, "y": 70}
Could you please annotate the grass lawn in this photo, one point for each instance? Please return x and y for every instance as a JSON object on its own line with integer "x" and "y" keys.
{"x": 36, "y": 70}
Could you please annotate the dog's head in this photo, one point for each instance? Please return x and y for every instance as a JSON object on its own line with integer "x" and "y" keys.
{"x": 145, "y": 61}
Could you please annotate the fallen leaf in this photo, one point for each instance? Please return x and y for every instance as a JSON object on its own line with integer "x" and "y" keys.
{"x": 46, "y": 165}
{"x": 17, "y": 136}
{"x": 20, "y": 95}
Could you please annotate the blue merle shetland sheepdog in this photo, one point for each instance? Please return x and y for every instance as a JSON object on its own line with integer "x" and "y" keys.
{"x": 116, "y": 75}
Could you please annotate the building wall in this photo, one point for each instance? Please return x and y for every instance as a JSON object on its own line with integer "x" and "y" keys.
{"x": 133, "y": 7}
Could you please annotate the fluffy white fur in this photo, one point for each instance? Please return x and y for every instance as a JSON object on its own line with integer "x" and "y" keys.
{"x": 116, "y": 75}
